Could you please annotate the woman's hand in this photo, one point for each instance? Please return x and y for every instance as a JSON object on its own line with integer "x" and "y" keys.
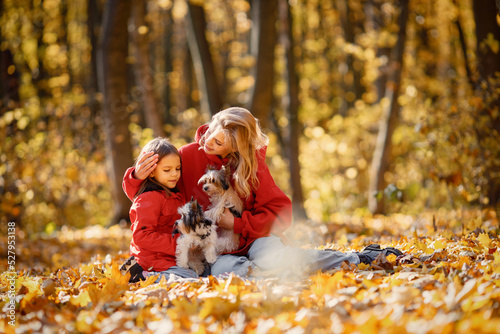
{"x": 145, "y": 166}
{"x": 227, "y": 220}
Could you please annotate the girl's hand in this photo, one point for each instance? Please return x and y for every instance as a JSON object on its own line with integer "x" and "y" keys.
{"x": 227, "y": 220}
{"x": 146, "y": 164}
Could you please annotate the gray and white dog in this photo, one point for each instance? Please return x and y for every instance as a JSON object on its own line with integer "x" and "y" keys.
{"x": 217, "y": 185}
{"x": 196, "y": 231}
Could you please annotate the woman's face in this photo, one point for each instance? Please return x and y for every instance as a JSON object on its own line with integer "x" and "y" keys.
{"x": 217, "y": 144}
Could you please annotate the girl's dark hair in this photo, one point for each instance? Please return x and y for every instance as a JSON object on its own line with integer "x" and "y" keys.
{"x": 162, "y": 147}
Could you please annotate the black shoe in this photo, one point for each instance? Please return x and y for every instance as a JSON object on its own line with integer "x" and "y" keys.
{"x": 131, "y": 266}
{"x": 370, "y": 253}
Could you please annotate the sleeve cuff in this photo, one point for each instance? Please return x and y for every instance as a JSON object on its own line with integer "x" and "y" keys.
{"x": 132, "y": 179}
{"x": 238, "y": 225}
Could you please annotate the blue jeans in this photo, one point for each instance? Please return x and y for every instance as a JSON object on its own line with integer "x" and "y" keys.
{"x": 178, "y": 271}
{"x": 270, "y": 254}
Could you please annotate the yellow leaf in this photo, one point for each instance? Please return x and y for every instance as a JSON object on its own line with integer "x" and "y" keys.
{"x": 218, "y": 307}
{"x": 343, "y": 240}
{"x": 32, "y": 286}
{"x": 363, "y": 266}
{"x": 81, "y": 300}
{"x": 112, "y": 290}
{"x": 485, "y": 240}
{"x": 496, "y": 257}
{"x": 150, "y": 280}
{"x": 84, "y": 321}
{"x": 391, "y": 258}
{"x": 370, "y": 325}
{"x": 369, "y": 284}
{"x": 93, "y": 293}
{"x": 423, "y": 247}
{"x": 438, "y": 244}
{"x": 117, "y": 275}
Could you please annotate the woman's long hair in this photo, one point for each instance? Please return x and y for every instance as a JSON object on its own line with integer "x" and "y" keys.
{"x": 243, "y": 131}
{"x": 162, "y": 147}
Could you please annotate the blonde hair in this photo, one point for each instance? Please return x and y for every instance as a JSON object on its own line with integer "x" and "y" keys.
{"x": 162, "y": 147}
{"x": 245, "y": 137}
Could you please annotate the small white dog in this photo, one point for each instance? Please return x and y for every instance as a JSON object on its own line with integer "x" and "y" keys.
{"x": 196, "y": 231}
{"x": 217, "y": 185}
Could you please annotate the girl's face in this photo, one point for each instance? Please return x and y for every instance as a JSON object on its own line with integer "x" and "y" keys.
{"x": 168, "y": 170}
{"x": 217, "y": 144}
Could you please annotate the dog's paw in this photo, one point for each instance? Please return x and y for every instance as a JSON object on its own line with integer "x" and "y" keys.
{"x": 198, "y": 268}
{"x": 183, "y": 264}
{"x": 211, "y": 257}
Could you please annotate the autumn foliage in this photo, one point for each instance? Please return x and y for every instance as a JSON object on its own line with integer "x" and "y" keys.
{"x": 444, "y": 149}
{"x": 447, "y": 281}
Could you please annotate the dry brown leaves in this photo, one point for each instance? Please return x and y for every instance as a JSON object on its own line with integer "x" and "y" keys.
{"x": 446, "y": 282}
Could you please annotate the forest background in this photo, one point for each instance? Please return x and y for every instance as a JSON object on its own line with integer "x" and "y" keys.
{"x": 371, "y": 106}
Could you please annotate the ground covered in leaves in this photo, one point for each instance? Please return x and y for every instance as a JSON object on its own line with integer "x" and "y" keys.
{"x": 448, "y": 281}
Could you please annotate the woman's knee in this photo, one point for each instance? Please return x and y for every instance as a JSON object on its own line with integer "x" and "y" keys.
{"x": 263, "y": 247}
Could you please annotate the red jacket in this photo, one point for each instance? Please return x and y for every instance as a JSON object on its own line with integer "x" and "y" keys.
{"x": 267, "y": 209}
{"x": 153, "y": 215}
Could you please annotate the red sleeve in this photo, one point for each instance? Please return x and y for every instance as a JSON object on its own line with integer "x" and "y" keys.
{"x": 144, "y": 215}
{"x": 130, "y": 184}
{"x": 271, "y": 211}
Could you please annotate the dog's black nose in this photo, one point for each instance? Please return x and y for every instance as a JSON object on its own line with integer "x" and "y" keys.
{"x": 205, "y": 188}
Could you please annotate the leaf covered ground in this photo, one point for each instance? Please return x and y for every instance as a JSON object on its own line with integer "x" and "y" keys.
{"x": 448, "y": 281}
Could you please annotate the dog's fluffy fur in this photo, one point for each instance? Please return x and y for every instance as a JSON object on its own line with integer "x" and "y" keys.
{"x": 217, "y": 185}
{"x": 196, "y": 231}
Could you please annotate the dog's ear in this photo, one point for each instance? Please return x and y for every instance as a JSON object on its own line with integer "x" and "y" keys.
{"x": 224, "y": 183}
{"x": 194, "y": 205}
{"x": 227, "y": 170}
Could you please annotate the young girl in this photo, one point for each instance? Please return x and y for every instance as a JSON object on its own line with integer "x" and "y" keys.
{"x": 234, "y": 138}
{"x": 154, "y": 212}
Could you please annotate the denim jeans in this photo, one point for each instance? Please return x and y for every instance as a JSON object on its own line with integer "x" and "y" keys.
{"x": 270, "y": 254}
{"x": 175, "y": 270}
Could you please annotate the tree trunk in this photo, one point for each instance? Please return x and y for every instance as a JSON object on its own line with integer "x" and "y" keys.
{"x": 380, "y": 161}
{"x": 167, "y": 59}
{"x": 143, "y": 70}
{"x": 263, "y": 40}
{"x": 291, "y": 102}
{"x": 348, "y": 24}
{"x": 372, "y": 23}
{"x": 112, "y": 54}
{"x": 211, "y": 100}
{"x": 93, "y": 18}
{"x": 488, "y": 65}
{"x": 9, "y": 81}
{"x": 486, "y": 23}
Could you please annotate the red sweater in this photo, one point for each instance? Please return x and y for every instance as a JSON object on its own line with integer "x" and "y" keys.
{"x": 267, "y": 209}
{"x": 153, "y": 215}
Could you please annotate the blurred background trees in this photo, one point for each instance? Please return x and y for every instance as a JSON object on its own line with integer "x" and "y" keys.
{"x": 85, "y": 83}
